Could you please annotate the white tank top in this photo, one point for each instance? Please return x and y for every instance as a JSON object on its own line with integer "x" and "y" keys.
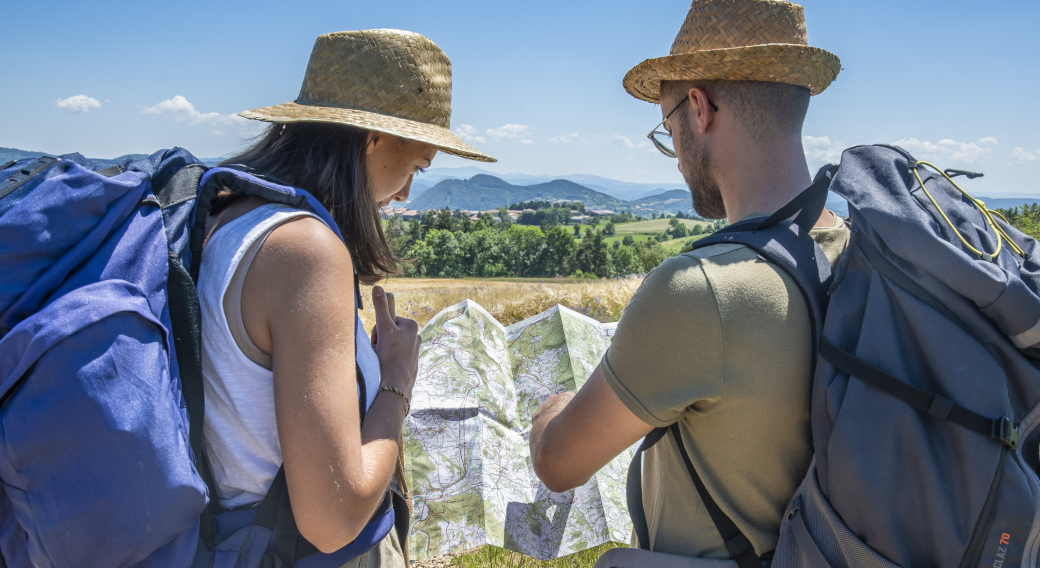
{"x": 240, "y": 434}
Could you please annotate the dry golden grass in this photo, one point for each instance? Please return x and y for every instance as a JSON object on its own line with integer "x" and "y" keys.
{"x": 508, "y": 301}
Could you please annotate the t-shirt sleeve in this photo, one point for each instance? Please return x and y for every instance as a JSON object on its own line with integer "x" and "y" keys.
{"x": 666, "y": 355}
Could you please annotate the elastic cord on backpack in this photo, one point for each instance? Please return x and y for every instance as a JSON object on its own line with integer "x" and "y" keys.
{"x": 986, "y": 213}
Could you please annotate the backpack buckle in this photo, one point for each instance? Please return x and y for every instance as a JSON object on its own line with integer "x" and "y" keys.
{"x": 1005, "y": 431}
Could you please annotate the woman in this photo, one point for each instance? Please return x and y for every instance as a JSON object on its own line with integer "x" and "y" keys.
{"x": 281, "y": 340}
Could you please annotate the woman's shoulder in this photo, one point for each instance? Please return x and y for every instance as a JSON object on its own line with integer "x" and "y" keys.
{"x": 303, "y": 244}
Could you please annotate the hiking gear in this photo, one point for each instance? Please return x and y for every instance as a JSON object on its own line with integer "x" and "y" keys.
{"x": 738, "y": 40}
{"x": 101, "y": 397}
{"x": 787, "y": 244}
{"x": 926, "y": 396}
{"x": 662, "y": 139}
{"x": 389, "y": 81}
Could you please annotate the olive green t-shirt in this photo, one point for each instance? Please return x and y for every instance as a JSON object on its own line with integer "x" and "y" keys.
{"x": 718, "y": 340}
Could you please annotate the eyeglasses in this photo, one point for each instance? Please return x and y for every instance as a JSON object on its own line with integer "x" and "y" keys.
{"x": 662, "y": 139}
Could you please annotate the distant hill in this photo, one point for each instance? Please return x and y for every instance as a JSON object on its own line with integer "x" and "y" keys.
{"x": 673, "y": 201}
{"x": 9, "y": 154}
{"x": 619, "y": 189}
{"x": 484, "y": 192}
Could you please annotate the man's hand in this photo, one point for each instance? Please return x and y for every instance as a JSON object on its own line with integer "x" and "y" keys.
{"x": 574, "y": 435}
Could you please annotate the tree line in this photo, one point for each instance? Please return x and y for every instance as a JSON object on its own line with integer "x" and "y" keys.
{"x": 448, "y": 244}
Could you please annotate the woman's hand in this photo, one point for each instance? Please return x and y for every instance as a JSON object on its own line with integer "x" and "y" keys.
{"x": 396, "y": 343}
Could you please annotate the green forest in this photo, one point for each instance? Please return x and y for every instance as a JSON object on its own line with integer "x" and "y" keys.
{"x": 448, "y": 244}
{"x": 1025, "y": 218}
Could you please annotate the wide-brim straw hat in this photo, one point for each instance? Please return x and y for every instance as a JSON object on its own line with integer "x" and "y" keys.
{"x": 390, "y": 81}
{"x": 738, "y": 40}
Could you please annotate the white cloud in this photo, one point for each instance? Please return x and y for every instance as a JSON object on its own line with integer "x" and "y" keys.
{"x": 988, "y": 140}
{"x": 945, "y": 149}
{"x": 820, "y": 150}
{"x": 1021, "y": 155}
{"x": 508, "y": 131}
{"x": 627, "y": 142}
{"x": 217, "y": 132}
{"x": 181, "y": 109}
{"x": 78, "y": 103}
{"x": 469, "y": 134}
{"x": 527, "y": 142}
{"x": 563, "y": 139}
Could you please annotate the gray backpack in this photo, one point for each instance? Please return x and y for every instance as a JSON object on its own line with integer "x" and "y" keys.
{"x": 925, "y": 397}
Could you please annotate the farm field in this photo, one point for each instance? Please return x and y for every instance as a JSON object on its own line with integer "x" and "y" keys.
{"x": 653, "y": 226}
{"x": 508, "y": 300}
{"x": 643, "y": 230}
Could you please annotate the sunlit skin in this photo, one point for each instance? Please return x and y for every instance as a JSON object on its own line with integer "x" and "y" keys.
{"x": 298, "y": 305}
{"x": 574, "y": 435}
{"x": 392, "y": 163}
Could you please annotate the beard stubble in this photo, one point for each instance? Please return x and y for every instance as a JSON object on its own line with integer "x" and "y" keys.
{"x": 699, "y": 173}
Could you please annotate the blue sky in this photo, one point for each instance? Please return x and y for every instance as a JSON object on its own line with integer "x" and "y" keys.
{"x": 539, "y": 82}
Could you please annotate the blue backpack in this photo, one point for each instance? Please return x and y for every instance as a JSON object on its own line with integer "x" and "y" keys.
{"x": 101, "y": 399}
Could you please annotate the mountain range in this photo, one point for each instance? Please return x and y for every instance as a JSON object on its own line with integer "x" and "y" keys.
{"x": 476, "y": 189}
{"x": 620, "y": 189}
{"x": 12, "y": 154}
{"x": 484, "y": 192}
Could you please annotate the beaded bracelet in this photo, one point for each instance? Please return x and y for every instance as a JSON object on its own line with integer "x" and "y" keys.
{"x": 397, "y": 391}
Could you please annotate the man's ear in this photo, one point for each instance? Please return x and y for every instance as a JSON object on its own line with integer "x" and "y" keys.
{"x": 701, "y": 112}
{"x": 374, "y": 140}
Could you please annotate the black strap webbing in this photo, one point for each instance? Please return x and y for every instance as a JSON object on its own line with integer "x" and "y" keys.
{"x": 739, "y": 547}
{"x": 935, "y": 405}
{"x": 186, "y": 320}
{"x": 22, "y": 176}
{"x": 111, "y": 171}
{"x": 808, "y": 204}
{"x": 634, "y": 489}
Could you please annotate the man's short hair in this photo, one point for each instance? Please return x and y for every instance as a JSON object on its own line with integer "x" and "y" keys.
{"x": 766, "y": 110}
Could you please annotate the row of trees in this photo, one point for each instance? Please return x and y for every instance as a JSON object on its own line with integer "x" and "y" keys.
{"x": 537, "y": 205}
{"x": 443, "y": 245}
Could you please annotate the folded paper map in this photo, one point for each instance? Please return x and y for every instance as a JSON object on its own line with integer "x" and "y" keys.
{"x": 466, "y": 453}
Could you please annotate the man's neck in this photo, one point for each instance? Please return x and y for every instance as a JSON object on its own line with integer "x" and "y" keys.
{"x": 756, "y": 179}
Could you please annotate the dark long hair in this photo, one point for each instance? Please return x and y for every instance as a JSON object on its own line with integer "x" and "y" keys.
{"x": 328, "y": 160}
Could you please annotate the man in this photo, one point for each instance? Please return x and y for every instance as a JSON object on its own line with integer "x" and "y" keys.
{"x": 717, "y": 339}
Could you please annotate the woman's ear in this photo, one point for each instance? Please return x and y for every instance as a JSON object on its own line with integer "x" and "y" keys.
{"x": 374, "y": 139}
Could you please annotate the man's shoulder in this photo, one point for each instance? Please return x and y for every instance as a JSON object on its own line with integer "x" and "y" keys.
{"x": 714, "y": 276}
{"x": 701, "y": 274}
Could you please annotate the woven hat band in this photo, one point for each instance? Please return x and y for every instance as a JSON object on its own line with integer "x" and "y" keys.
{"x": 721, "y": 24}
{"x": 389, "y": 72}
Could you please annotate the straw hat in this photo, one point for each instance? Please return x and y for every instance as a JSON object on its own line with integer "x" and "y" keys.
{"x": 738, "y": 40}
{"x": 390, "y": 81}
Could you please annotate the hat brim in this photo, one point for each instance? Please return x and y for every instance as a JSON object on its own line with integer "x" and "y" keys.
{"x": 441, "y": 138}
{"x": 810, "y": 67}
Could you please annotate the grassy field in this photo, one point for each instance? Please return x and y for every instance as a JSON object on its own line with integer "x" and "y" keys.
{"x": 508, "y": 300}
{"x": 643, "y": 230}
{"x": 492, "y": 557}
